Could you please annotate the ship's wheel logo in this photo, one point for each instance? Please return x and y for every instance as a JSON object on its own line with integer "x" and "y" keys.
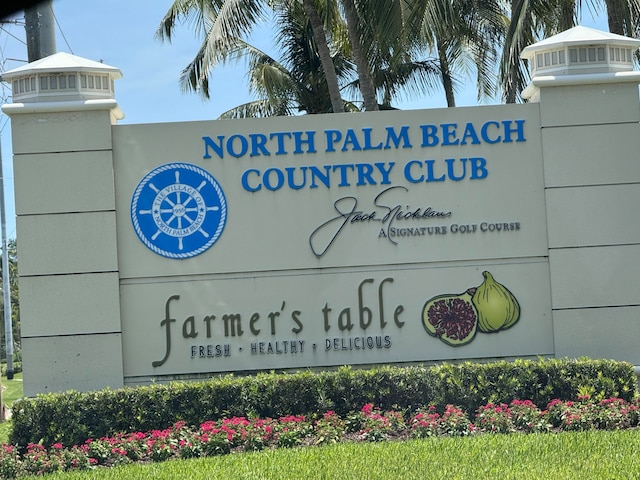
{"x": 178, "y": 210}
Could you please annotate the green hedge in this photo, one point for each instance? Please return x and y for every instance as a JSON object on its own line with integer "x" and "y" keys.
{"x": 71, "y": 418}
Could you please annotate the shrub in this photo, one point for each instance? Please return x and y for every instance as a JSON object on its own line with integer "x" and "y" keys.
{"x": 71, "y": 418}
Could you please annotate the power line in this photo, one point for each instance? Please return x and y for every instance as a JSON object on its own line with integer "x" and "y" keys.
{"x": 12, "y": 35}
{"x": 61, "y": 32}
{"x": 5, "y": 120}
{"x": 5, "y": 89}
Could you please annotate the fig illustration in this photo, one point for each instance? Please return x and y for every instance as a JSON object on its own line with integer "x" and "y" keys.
{"x": 497, "y": 308}
{"x": 451, "y": 318}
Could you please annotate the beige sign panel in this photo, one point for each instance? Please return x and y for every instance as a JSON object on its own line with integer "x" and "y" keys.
{"x": 310, "y": 319}
{"x": 319, "y": 240}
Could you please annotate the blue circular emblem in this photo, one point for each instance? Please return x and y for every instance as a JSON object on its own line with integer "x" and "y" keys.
{"x": 178, "y": 210}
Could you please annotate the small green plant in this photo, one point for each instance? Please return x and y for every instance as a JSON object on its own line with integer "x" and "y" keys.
{"x": 10, "y": 463}
{"x": 375, "y": 426}
{"x": 527, "y": 417}
{"x": 455, "y": 422}
{"x": 329, "y": 428}
{"x": 426, "y": 423}
{"x": 292, "y": 430}
{"x": 494, "y": 418}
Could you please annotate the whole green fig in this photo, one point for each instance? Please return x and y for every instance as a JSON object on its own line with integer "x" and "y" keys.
{"x": 497, "y": 308}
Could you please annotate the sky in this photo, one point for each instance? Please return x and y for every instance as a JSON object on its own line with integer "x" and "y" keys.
{"x": 121, "y": 33}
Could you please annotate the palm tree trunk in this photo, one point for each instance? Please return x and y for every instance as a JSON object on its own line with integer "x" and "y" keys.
{"x": 615, "y": 16}
{"x": 510, "y": 60}
{"x": 445, "y": 70}
{"x": 320, "y": 37}
{"x": 367, "y": 88}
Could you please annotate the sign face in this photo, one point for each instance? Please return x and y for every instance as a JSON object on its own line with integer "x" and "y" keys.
{"x": 339, "y": 239}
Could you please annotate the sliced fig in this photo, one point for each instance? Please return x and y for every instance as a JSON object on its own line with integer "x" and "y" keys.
{"x": 451, "y": 318}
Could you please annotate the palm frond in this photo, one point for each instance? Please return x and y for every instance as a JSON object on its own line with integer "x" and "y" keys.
{"x": 191, "y": 12}
{"x": 259, "y": 109}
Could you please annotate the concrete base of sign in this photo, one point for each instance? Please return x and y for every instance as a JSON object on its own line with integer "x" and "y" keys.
{"x": 74, "y": 362}
{"x": 83, "y": 304}
{"x": 602, "y": 332}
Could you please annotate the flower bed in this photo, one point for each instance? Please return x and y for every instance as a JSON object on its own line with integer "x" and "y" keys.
{"x": 239, "y": 434}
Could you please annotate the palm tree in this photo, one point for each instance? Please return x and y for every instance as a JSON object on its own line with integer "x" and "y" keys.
{"x": 223, "y": 24}
{"x": 375, "y": 43}
{"x": 383, "y": 48}
{"x": 464, "y": 36}
{"x": 623, "y": 17}
{"x": 296, "y": 83}
{"x": 400, "y": 75}
{"x": 320, "y": 38}
{"x": 355, "y": 23}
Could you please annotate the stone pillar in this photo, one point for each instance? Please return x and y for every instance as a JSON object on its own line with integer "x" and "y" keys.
{"x": 65, "y": 207}
{"x": 590, "y": 116}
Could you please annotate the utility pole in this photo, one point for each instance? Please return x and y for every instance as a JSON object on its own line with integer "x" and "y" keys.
{"x": 6, "y": 281}
{"x": 41, "y": 32}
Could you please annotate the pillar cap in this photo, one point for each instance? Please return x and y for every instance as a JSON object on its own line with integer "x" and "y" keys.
{"x": 580, "y": 55}
{"x": 62, "y": 77}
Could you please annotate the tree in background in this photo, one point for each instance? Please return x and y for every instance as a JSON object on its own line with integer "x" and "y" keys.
{"x": 465, "y": 36}
{"x": 295, "y": 83}
{"x": 319, "y": 35}
{"x": 224, "y": 25}
{"x": 623, "y": 17}
{"x": 15, "y": 300}
{"x": 395, "y": 56}
{"x": 397, "y": 47}
{"x": 356, "y": 22}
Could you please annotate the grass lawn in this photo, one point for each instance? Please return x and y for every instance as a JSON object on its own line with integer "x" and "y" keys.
{"x": 569, "y": 455}
{"x": 11, "y": 391}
